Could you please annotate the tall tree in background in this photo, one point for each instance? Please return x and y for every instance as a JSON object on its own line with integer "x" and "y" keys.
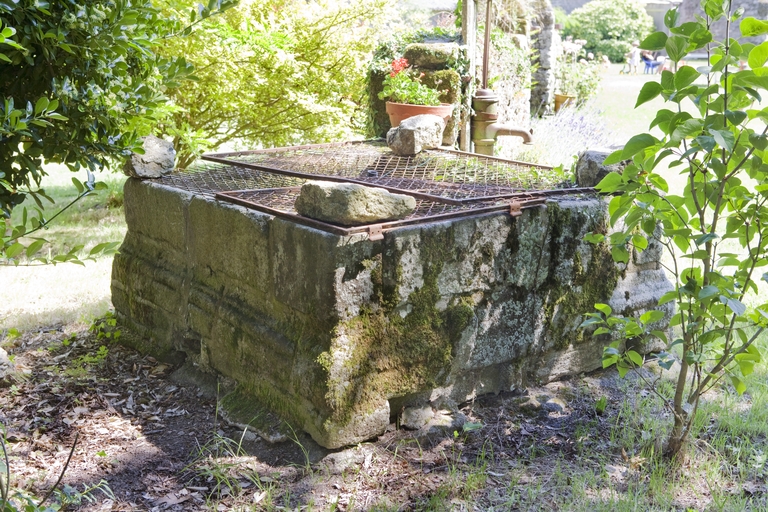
{"x": 80, "y": 82}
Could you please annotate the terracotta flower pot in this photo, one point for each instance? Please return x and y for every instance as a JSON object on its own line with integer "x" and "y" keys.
{"x": 400, "y": 111}
{"x": 562, "y": 100}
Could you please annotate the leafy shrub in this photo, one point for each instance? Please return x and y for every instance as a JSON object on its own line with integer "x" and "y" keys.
{"x": 401, "y": 86}
{"x": 614, "y": 50}
{"x": 579, "y": 79}
{"x": 715, "y": 229}
{"x": 377, "y": 121}
{"x": 615, "y": 21}
{"x": 79, "y": 84}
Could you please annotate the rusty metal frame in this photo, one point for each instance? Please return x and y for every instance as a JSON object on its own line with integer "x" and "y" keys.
{"x": 375, "y": 231}
{"x": 437, "y": 173}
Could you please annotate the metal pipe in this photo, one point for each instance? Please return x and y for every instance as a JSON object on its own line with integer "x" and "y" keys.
{"x": 485, "y": 125}
{"x": 487, "y": 41}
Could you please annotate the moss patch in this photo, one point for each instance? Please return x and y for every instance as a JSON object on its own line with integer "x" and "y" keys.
{"x": 572, "y": 298}
{"x": 447, "y": 81}
{"x": 385, "y": 354}
{"x": 432, "y": 56}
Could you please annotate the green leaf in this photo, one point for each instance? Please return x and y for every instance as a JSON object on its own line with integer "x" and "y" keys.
{"x": 758, "y": 141}
{"x": 613, "y": 158}
{"x": 724, "y": 138}
{"x": 706, "y": 238}
{"x": 708, "y": 291}
{"x": 747, "y": 367}
{"x": 734, "y": 305}
{"x": 41, "y": 104}
{"x": 639, "y": 242}
{"x": 660, "y": 183}
{"x": 667, "y": 80}
{"x": 609, "y": 183}
{"x": 700, "y": 38}
{"x": 675, "y": 47}
{"x": 620, "y": 254}
{"x": 14, "y": 250}
{"x": 714, "y": 8}
{"x": 638, "y": 143}
{"x": 655, "y": 41}
{"x": 661, "y": 335}
{"x": 78, "y": 184}
{"x": 738, "y": 384}
{"x": 594, "y": 238}
{"x": 652, "y": 316}
{"x": 758, "y": 55}
{"x": 636, "y": 358}
{"x": 735, "y": 117}
{"x": 604, "y": 308}
{"x": 671, "y": 18}
{"x": 34, "y": 247}
{"x": 751, "y": 27}
{"x": 667, "y": 297}
{"x": 649, "y": 92}
{"x": 685, "y": 76}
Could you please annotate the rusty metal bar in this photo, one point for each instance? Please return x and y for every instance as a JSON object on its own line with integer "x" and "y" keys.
{"x": 376, "y": 231}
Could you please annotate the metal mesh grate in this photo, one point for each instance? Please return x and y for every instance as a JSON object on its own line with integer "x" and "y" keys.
{"x": 450, "y": 175}
{"x": 445, "y": 183}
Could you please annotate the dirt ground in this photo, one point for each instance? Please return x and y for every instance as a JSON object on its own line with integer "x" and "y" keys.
{"x": 160, "y": 446}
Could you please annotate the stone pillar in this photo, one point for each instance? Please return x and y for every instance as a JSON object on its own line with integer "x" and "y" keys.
{"x": 547, "y": 44}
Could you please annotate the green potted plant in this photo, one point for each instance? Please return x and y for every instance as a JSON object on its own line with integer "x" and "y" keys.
{"x": 576, "y": 77}
{"x": 407, "y": 97}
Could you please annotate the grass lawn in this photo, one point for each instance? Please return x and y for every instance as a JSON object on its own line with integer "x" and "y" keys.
{"x": 38, "y": 296}
{"x": 518, "y": 459}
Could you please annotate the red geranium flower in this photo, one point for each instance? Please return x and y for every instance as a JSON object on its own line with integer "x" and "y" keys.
{"x": 398, "y": 65}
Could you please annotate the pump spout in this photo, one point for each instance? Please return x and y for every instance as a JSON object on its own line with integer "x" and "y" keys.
{"x": 496, "y": 130}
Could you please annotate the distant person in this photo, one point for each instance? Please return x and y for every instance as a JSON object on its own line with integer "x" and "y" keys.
{"x": 651, "y": 63}
{"x": 634, "y": 57}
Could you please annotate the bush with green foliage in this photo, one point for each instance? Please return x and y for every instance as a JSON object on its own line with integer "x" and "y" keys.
{"x": 609, "y": 26}
{"x": 715, "y": 230}
{"x": 280, "y": 72}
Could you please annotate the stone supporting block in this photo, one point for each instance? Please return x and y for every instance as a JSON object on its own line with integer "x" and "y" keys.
{"x": 350, "y": 204}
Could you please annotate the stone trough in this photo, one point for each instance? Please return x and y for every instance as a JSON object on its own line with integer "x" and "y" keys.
{"x": 340, "y": 334}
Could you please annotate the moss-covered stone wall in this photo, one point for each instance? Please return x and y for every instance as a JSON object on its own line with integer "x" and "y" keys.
{"x": 329, "y": 331}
